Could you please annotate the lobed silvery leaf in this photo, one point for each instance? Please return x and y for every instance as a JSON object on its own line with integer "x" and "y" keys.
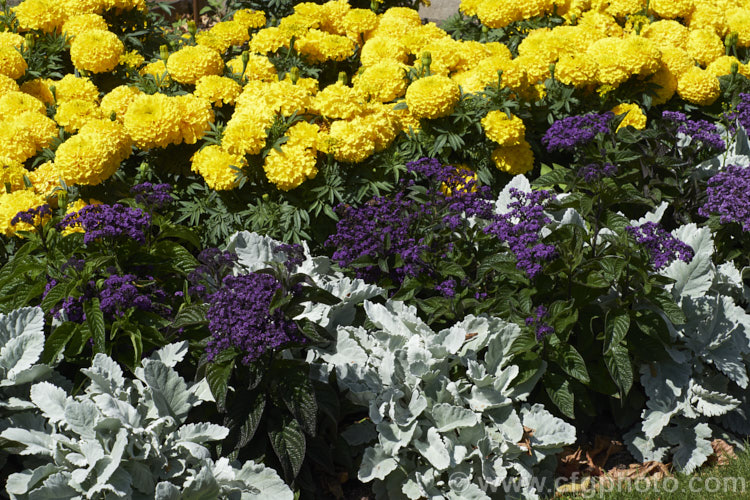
{"x": 171, "y": 354}
{"x": 694, "y": 278}
{"x": 106, "y": 376}
{"x": 710, "y": 403}
{"x": 692, "y": 446}
{"x": 254, "y": 251}
{"x": 519, "y": 182}
{"x": 50, "y": 399}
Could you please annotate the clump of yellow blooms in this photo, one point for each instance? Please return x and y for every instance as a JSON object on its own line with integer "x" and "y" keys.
{"x": 190, "y": 63}
{"x": 698, "y": 86}
{"x": 75, "y": 25}
{"x": 94, "y": 154}
{"x": 215, "y": 166}
{"x": 634, "y": 116}
{"x": 8, "y": 84}
{"x": 118, "y": 100}
{"x": 97, "y": 51}
{"x": 153, "y": 121}
{"x": 502, "y": 129}
{"x": 219, "y": 90}
{"x": 514, "y": 160}
{"x": 296, "y": 162}
{"x": 12, "y": 63}
{"x": 74, "y": 114}
{"x": 432, "y": 96}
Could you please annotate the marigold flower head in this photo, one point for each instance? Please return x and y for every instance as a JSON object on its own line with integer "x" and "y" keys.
{"x": 10, "y": 39}
{"x": 41, "y": 128}
{"x": 13, "y": 103}
{"x": 43, "y": 15}
{"x": 78, "y": 7}
{"x": 86, "y": 159}
{"x": 671, "y": 9}
{"x": 215, "y": 166}
{"x": 514, "y": 160}
{"x": 38, "y": 89}
{"x": 320, "y": 46}
{"x": 74, "y": 114}
{"x": 117, "y": 143}
{"x": 640, "y": 56}
{"x": 45, "y": 179}
{"x": 268, "y": 40}
{"x": 384, "y": 81}
{"x": 16, "y": 143}
{"x": 117, "y": 101}
{"x": 499, "y": 13}
{"x": 97, "y": 51}
{"x": 337, "y": 101}
{"x": 132, "y": 59}
{"x": 739, "y": 22}
{"x": 190, "y": 63}
{"x": 230, "y": 33}
{"x": 72, "y": 87}
{"x": 380, "y": 48}
{"x": 380, "y": 124}
{"x": 250, "y": 18}
{"x": 634, "y": 115}
{"x": 708, "y": 15}
{"x": 14, "y": 202}
{"x": 196, "y": 117}
{"x": 699, "y": 87}
{"x": 469, "y": 7}
{"x": 358, "y": 22}
{"x": 219, "y": 90}
{"x": 666, "y": 34}
{"x": 432, "y": 97}
{"x": 157, "y": 69}
{"x": 258, "y": 68}
{"x": 12, "y": 173}
{"x": 290, "y": 167}
{"x": 349, "y": 142}
{"x": 705, "y": 46}
{"x": 8, "y": 84}
{"x": 245, "y": 134}
{"x": 12, "y": 63}
{"x": 667, "y": 85}
{"x": 80, "y": 23}
{"x": 153, "y": 121}
{"x": 397, "y": 21}
{"x": 577, "y": 70}
{"x": 504, "y": 130}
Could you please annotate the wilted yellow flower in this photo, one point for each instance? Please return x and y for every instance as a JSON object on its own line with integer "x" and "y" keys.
{"x": 196, "y": 117}
{"x": 153, "y": 121}
{"x": 12, "y": 63}
{"x": 432, "y": 97}
{"x": 634, "y": 116}
{"x": 215, "y": 166}
{"x": 97, "y": 51}
{"x": 7, "y": 84}
{"x": 11, "y": 204}
{"x": 117, "y": 101}
{"x": 514, "y": 160}
{"x": 74, "y": 114}
{"x": 83, "y": 22}
{"x": 190, "y": 63}
{"x": 384, "y": 81}
{"x": 698, "y": 87}
{"x": 219, "y": 90}
{"x": 503, "y": 130}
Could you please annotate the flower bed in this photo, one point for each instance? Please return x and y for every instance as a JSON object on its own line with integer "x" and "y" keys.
{"x": 335, "y": 240}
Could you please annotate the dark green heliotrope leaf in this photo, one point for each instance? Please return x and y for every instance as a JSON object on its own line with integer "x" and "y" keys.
{"x": 217, "y": 375}
{"x": 288, "y": 442}
{"x": 57, "y": 341}
{"x": 190, "y": 315}
{"x": 295, "y": 389}
{"x": 558, "y": 390}
{"x": 569, "y": 359}
{"x": 618, "y": 363}
{"x": 95, "y": 322}
{"x": 615, "y": 329}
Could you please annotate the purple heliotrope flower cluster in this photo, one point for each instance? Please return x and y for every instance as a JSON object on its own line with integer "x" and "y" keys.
{"x": 153, "y": 196}
{"x": 215, "y": 264}
{"x": 72, "y": 306}
{"x": 395, "y": 226}
{"x": 239, "y": 317}
{"x": 568, "y": 133}
{"x": 661, "y": 245}
{"x": 520, "y": 229}
{"x": 109, "y": 221}
{"x": 595, "y": 171}
{"x": 541, "y": 328}
{"x": 32, "y": 216}
{"x": 120, "y": 293}
{"x": 294, "y": 254}
{"x": 702, "y": 131}
{"x": 729, "y": 196}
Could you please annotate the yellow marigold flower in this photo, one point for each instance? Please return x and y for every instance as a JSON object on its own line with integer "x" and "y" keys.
{"x": 286, "y": 98}
{"x": 231, "y": 33}
{"x": 445, "y": 54}
{"x": 320, "y": 46}
{"x": 704, "y": 46}
{"x": 78, "y": 7}
{"x": 378, "y": 49}
{"x": 83, "y": 22}
{"x": 623, "y": 8}
{"x": 384, "y": 82}
{"x": 41, "y": 128}
{"x": 667, "y": 34}
{"x": 12, "y": 63}
{"x": 215, "y": 166}
{"x": 245, "y": 135}
{"x": 676, "y": 60}
{"x": 38, "y": 89}
{"x": 634, "y": 116}
{"x": 72, "y": 115}
{"x": 132, "y": 59}
{"x": 10, "y": 39}
{"x": 7, "y": 84}
{"x": 211, "y": 40}
{"x": 190, "y": 63}
{"x": 268, "y": 40}
{"x": 537, "y": 70}
{"x": 97, "y": 51}
{"x": 397, "y": 21}
{"x": 577, "y": 70}
{"x": 16, "y": 143}
{"x": 358, "y": 22}
{"x": 600, "y": 24}
{"x": 503, "y": 130}
{"x": 12, "y": 173}
{"x": 667, "y": 85}
{"x": 297, "y": 25}
{"x": 418, "y": 38}
{"x": 43, "y": 15}
{"x": 406, "y": 120}
{"x": 709, "y": 16}
{"x": 380, "y": 124}
{"x": 499, "y": 13}
{"x": 739, "y": 22}
{"x": 469, "y": 7}
{"x": 196, "y": 117}
{"x": 94, "y": 155}
{"x": 607, "y": 55}
{"x": 13, "y": 103}
{"x": 334, "y": 12}
{"x": 11, "y": 204}
{"x": 250, "y": 18}
{"x": 337, "y": 101}
{"x": 514, "y": 160}
{"x": 290, "y": 167}
{"x": 258, "y": 68}
{"x": 698, "y": 87}
{"x": 219, "y": 90}
{"x": 71, "y": 87}
{"x": 117, "y": 142}
{"x": 432, "y": 97}
{"x": 45, "y": 179}
{"x": 117, "y": 101}
{"x": 158, "y": 70}
{"x": 153, "y": 121}
{"x": 349, "y": 142}
{"x": 671, "y": 9}
{"x": 640, "y": 56}
{"x": 723, "y": 66}
{"x": 535, "y": 8}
